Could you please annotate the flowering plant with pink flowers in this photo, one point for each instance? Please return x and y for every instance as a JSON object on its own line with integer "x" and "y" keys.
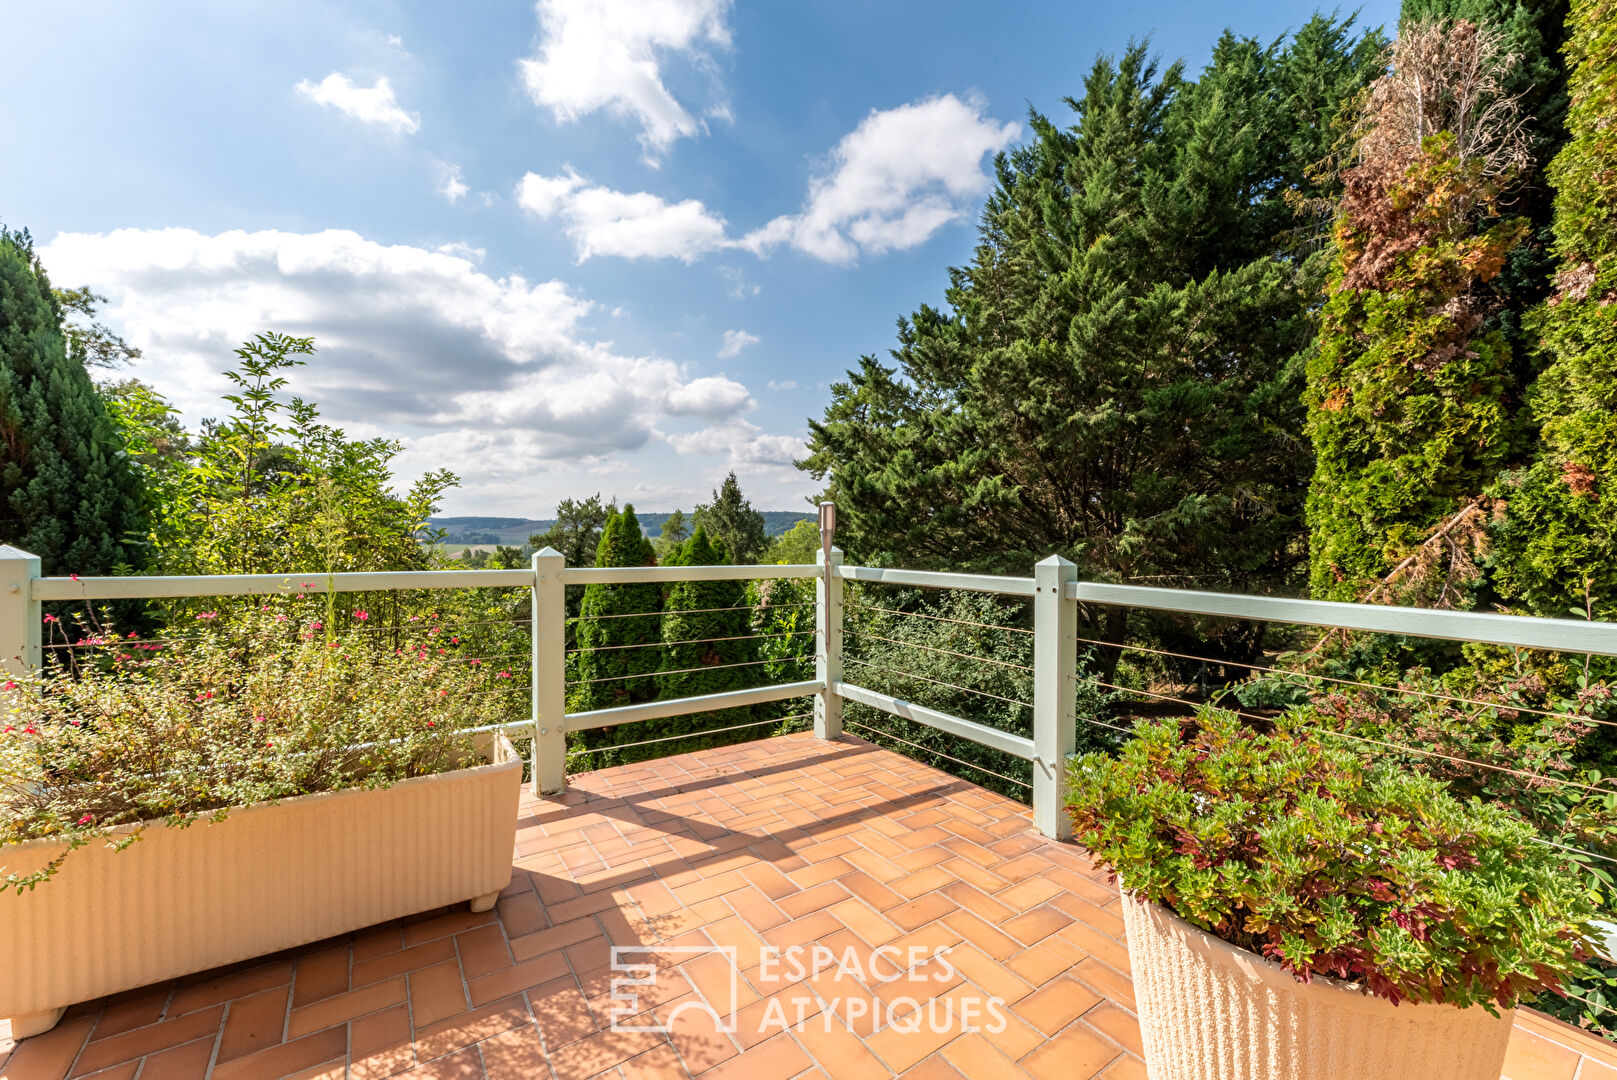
{"x": 259, "y": 705}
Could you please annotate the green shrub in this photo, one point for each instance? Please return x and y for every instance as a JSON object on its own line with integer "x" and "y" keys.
{"x": 1289, "y": 845}
{"x": 186, "y": 726}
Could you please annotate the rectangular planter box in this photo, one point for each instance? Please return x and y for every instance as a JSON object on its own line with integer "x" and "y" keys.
{"x": 269, "y": 877}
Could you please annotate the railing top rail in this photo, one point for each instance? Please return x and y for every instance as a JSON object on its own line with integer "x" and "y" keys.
{"x": 142, "y": 588}
{"x": 992, "y": 583}
{"x": 1522, "y": 631}
{"x": 627, "y": 575}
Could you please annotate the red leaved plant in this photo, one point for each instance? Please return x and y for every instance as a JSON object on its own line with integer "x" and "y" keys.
{"x": 1290, "y": 845}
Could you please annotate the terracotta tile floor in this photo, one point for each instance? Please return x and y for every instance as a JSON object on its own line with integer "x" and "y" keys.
{"x": 767, "y": 850}
{"x": 785, "y": 842}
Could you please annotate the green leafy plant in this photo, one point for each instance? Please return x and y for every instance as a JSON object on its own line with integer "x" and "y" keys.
{"x": 184, "y": 727}
{"x": 1292, "y": 846}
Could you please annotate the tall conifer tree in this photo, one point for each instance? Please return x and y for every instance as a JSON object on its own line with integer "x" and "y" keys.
{"x": 618, "y": 631}
{"x": 1114, "y": 376}
{"x": 1557, "y": 549}
{"x": 67, "y": 490}
{"x": 1410, "y": 389}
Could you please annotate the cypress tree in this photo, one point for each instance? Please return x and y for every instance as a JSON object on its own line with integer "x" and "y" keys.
{"x": 1409, "y": 389}
{"x": 1114, "y": 377}
{"x": 617, "y": 655}
{"x": 1534, "y": 31}
{"x": 699, "y": 616}
{"x": 706, "y": 629}
{"x": 68, "y": 492}
{"x": 1557, "y": 548}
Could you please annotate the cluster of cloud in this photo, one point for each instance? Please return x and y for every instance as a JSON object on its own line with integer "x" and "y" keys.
{"x": 469, "y": 367}
{"x": 374, "y": 104}
{"x": 608, "y": 54}
{"x": 894, "y": 181}
{"x": 640, "y": 225}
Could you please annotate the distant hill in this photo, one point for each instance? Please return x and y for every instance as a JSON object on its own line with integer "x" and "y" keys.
{"x": 515, "y": 531}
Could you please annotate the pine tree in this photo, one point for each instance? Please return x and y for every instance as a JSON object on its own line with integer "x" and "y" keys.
{"x": 732, "y": 524}
{"x": 617, "y": 631}
{"x": 1557, "y": 548}
{"x": 1409, "y": 391}
{"x": 68, "y": 492}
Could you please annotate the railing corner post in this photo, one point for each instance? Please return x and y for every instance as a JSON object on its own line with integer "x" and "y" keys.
{"x": 1055, "y": 689}
{"x": 828, "y": 647}
{"x": 548, "y": 690}
{"x": 19, "y": 612}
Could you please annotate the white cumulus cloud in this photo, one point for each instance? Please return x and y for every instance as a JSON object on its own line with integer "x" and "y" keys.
{"x": 496, "y": 377}
{"x": 634, "y": 225}
{"x": 368, "y": 104}
{"x": 896, "y": 179}
{"x": 735, "y": 341}
{"x": 609, "y": 54}
{"x": 742, "y": 443}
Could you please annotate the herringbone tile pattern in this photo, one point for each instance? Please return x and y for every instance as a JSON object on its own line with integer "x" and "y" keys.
{"x": 836, "y": 874}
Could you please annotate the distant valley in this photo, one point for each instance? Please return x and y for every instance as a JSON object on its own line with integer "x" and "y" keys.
{"x": 515, "y": 531}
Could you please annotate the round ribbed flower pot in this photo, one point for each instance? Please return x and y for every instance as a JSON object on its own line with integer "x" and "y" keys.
{"x": 1211, "y": 1011}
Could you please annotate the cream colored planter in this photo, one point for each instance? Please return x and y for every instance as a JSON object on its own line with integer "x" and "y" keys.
{"x": 268, "y": 877}
{"x": 1211, "y": 1011}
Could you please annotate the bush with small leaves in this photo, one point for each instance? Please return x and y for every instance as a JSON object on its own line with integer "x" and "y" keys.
{"x": 186, "y": 726}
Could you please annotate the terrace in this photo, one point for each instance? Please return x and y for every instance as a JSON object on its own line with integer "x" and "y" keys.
{"x": 699, "y": 863}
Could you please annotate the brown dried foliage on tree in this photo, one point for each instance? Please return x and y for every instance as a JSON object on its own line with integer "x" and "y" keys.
{"x": 1443, "y": 79}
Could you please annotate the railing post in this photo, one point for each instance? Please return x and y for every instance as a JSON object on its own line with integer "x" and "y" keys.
{"x": 549, "y": 673}
{"x": 19, "y": 612}
{"x": 1055, "y": 691}
{"x": 828, "y": 646}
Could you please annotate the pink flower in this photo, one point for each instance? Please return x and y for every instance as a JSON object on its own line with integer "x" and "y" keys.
{"x": 334, "y": 644}
{"x": 280, "y": 618}
{"x": 316, "y": 625}
{"x": 362, "y": 615}
{"x": 30, "y": 730}
{"x": 432, "y": 723}
{"x": 75, "y": 577}
{"x": 131, "y": 633}
{"x": 10, "y": 685}
{"x": 454, "y": 641}
{"x": 503, "y": 675}
{"x": 208, "y": 615}
{"x": 86, "y": 819}
{"x": 258, "y": 719}
{"x": 205, "y": 696}
{"x": 52, "y": 618}
{"x": 8, "y": 729}
{"x": 477, "y": 663}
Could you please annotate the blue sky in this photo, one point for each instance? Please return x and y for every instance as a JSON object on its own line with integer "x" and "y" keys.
{"x": 564, "y": 247}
